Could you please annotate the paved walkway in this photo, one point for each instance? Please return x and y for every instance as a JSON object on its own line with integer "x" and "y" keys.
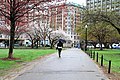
{"x": 73, "y": 65}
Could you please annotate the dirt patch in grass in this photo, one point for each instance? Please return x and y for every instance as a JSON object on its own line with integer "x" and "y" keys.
{"x": 112, "y": 75}
{"x": 10, "y": 59}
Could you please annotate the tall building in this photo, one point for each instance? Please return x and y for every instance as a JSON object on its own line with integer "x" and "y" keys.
{"x": 103, "y": 5}
{"x": 66, "y": 16}
{"x": 67, "y": 19}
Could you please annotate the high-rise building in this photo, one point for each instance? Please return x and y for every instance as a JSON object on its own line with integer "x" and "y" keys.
{"x": 67, "y": 19}
{"x": 103, "y": 5}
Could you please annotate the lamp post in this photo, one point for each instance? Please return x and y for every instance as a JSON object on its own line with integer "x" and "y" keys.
{"x": 86, "y": 37}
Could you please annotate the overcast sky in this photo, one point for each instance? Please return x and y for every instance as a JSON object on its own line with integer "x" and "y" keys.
{"x": 81, "y": 2}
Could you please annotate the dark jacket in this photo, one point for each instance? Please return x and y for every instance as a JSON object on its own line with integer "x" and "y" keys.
{"x": 59, "y": 45}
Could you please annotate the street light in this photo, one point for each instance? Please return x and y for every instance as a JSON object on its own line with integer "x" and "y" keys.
{"x": 86, "y": 37}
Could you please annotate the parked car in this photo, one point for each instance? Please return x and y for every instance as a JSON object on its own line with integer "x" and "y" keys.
{"x": 16, "y": 45}
{"x": 77, "y": 46}
{"x": 47, "y": 45}
{"x": 115, "y": 46}
{"x": 2, "y": 45}
{"x": 98, "y": 45}
{"x": 90, "y": 46}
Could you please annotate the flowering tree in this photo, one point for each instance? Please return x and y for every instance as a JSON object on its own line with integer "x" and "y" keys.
{"x": 54, "y": 37}
{"x": 17, "y": 13}
{"x": 43, "y": 20}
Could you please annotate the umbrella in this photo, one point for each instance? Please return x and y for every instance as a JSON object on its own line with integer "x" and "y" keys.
{"x": 62, "y": 40}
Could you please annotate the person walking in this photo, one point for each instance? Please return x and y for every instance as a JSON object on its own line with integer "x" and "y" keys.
{"x": 59, "y": 48}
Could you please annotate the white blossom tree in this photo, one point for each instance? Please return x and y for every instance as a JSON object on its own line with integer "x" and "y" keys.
{"x": 54, "y": 37}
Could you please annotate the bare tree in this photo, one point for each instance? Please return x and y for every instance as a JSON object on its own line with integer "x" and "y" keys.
{"x": 111, "y": 17}
{"x": 16, "y": 12}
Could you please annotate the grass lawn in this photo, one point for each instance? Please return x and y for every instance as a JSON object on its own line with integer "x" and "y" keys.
{"x": 113, "y": 55}
{"x": 25, "y": 55}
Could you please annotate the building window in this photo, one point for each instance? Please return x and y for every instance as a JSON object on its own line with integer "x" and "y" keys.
{"x": 68, "y": 29}
{"x": 74, "y": 37}
{"x": 78, "y": 37}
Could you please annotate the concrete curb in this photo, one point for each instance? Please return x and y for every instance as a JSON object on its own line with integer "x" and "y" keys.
{"x": 100, "y": 70}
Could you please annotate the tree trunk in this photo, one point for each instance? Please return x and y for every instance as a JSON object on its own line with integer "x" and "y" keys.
{"x": 12, "y": 35}
{"x": 111, "y": 45}
{"x": 51, "y": 47}
{"x": 101, "y": 48}
{"x": 32, "y": 44}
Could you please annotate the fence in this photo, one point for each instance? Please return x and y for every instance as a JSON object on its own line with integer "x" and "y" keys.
{"x": 100, "y": 59}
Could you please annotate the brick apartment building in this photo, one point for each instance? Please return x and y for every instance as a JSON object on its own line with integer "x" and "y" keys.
{"x": 67, "y": 19}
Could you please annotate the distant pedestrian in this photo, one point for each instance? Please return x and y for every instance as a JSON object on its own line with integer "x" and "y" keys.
{"x": 78, "y": 46}
{"x": 59, "y": 48}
